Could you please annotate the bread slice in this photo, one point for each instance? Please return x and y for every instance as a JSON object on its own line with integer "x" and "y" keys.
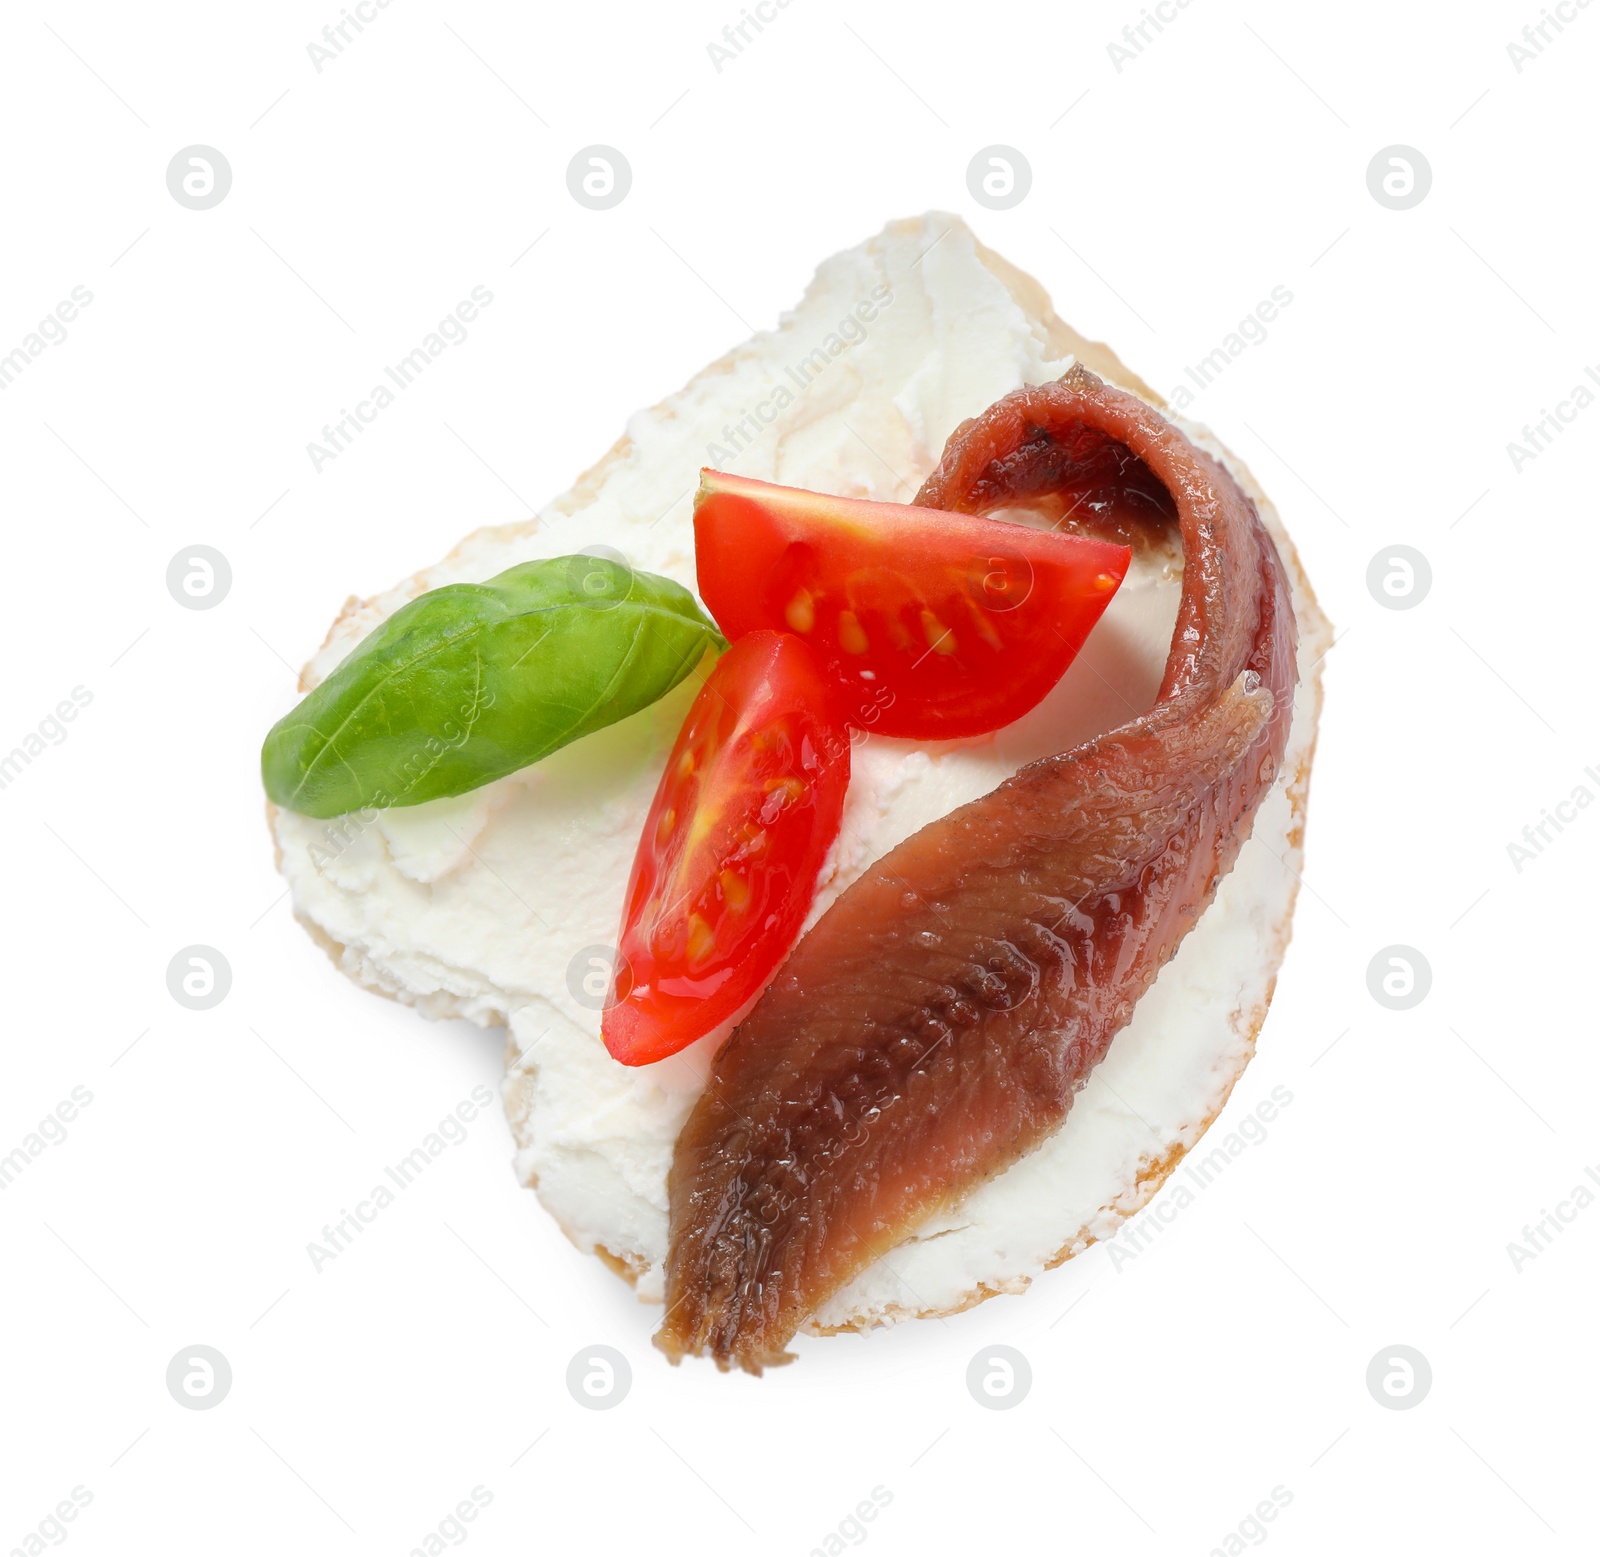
{"x": 487, "y": 906}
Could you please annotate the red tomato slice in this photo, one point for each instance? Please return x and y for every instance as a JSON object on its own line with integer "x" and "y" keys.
{"x": 743, "y": 818}
{"x": 935, "y": 624}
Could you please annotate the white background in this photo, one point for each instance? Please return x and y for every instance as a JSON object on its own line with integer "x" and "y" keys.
{"x": 1170, "y": 1395}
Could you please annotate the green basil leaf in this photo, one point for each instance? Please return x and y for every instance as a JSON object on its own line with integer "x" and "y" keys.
{"x": 473, "y": 681}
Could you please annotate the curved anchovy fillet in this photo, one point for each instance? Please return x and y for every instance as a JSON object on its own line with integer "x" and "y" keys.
{"x": 935, "y": 1024}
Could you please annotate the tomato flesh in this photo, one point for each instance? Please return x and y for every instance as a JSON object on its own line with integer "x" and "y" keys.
{"x": 932, "y": 625}
{"x": 744, "y": 816}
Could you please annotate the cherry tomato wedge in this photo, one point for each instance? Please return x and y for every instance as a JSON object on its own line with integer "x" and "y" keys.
{"x": 934, "y": 625}
{"x": 743, "y": 818}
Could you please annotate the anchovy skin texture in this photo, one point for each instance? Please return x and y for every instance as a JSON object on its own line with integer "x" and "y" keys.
{"x": 935, "y": 1024}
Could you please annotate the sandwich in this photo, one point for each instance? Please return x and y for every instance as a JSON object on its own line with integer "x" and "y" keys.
{"x": 1039, "y": 834}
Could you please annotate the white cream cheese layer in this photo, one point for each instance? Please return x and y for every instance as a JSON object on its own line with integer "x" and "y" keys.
{"x": 491, "y": 906}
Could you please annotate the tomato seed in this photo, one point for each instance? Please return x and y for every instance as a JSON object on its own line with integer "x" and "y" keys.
{"x": 735, "y": 891}
{"x": 801, "y": 612}
{"x": 702, "y": 940}
{"x": 940, "y": 638}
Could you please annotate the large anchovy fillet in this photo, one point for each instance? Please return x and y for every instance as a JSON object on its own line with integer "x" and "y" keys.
{"x": 935, "y": 1024}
